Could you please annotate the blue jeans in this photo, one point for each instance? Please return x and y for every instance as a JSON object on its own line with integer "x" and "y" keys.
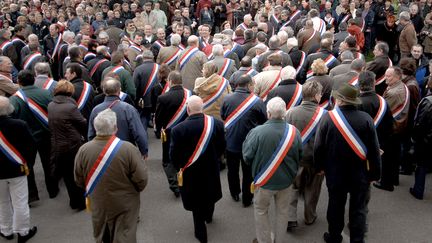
{"x": 420, "y": 180}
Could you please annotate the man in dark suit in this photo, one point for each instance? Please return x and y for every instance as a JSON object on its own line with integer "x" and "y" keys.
{"x": 236, "y": 131}
{"x": 170, "y": 111}
{"x": 348, "y": 168}
{"x": 288, "y": 89}
{"x": 196, "y": 147}
{"x": 379, "y": 66}
{"x": 274, "y": 45}
{"x": 97, "y": 65}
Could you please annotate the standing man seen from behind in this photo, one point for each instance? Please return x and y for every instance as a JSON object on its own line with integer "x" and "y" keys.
{"x": 196, "y": 147}
{"x": 274, "y": 151}
{"x": 113, "y": 174}
{"x": 347, "y": 151}
{"x": 17, "y": 148}
{"x": 241, "y": 111}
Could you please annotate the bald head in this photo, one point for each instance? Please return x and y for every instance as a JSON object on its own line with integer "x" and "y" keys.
{"x": 111, "y": 87}
{"x": 194, "y": 105}
{"x": 5, "y": 107}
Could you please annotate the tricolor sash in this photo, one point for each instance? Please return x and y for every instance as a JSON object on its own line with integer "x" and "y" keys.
{"x": 296, "y": 98}
{"x": 159, "y": 44}
{"x": 397, "y": 112}
{"x": 181, "y": 111}
{"x": 329, "y": 60}
{"x": 251, "y": 72}
{"x": 166, "y": 88}
{"x": 275, "y": 82}
{"x": 243, "y": 26}
{"x": 89, "y": 56}
{"x": 85, "y": 48}
{"x": 274, "y": 19}
{"x": 135, "y": 48}
{"x": 187, "y": 56}
{"x": 200, "y": 147}
{"x": 182, "y": 47}
{"x": 96, "y": 66}
{"x": 170, "y": 60}
{"x": 39, "y": 112}
{"x": 117, "y": 69}
{"x": 302, "y": 60}
{"x": 330, "y": 20}
{"x": 104, "y": 159}
{"x": 277, "y": 157}
{"x": 310, "y": 37}
{"x": 57, "y": 46}
{"x": 16, "y": 39}
{"x": 382, "y": 78}
{"x": 348, "y": 133}
{"x": 5, "y": 45}
{"x": 312, "y": 126}
{"x": 48, "y": 84}
{"x": 294, "y": 15}
{"x": 225, "y": 66}
{"x": 245, "y": 106}
{"x": 226, "y": 53}
{"x": 381, "y": 111}
{"x": 219, "y": 91}
{"x": 354, "y": 81}
{"x": 203, "y": 43}
{"x": 152, "y": 79}
{"x": 122, "y": 95}
{"x": 325, "y": 104}
{"x": 85, "y": 94}
{"x": 363, "y": 25}
{"x": 10, "y": 151}
{"x": 345, "y": 18}
{"x": 322, "y": 27}
{"x": 30, "y": 60}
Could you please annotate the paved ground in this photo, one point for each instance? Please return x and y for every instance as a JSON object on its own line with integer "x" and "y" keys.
{"x": 394, "y": 217}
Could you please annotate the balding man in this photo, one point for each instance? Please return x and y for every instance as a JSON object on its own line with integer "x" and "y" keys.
{"x": 308, "y": 37}
{"x": 226, "y": 66}
{"x": 274, "y": 47}
{"x": 346, "y": 57}
{"x": 350, "y": 77}
{"x": 190, "y": 63}
{"x": 98, "y": 64}
{"x": 197, "y": 144}
{"x": 169, "y": 54}
{"x": 43, "y": 77}
{"x": 288, "y": 89}
{"x": 17, "y": 152}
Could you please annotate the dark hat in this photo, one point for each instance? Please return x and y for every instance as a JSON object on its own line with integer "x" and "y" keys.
{"x": 146, "y": 43}
{"x": 347, "y": 93}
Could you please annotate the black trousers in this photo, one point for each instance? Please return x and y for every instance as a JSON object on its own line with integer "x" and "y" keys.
{"x": 201, "y": 215}
{"x": 391, "y": 161}
{"x": 43, "y": 147}
{"x": 170, "y": 171}
{"x": 359, "y": 198}
{"x": 234, "y": 160}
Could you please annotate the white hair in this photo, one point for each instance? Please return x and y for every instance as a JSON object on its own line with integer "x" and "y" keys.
{"x": 5, "y": 106}
{"x": 247, "y": 16}
{"x": 282, "y": 35}
{"x": 42, "y": 68}
{"x": 404, "y": 16}
{"x": 292, "y": 42}
{"x": 68, "y": 35}
{"x": 276, "y": 108}
{"x": 103, "y": 34}
{"x": 102, "y": 49}
{"x": 347, "y": 55}
{"x": 218, "y": 50}
{"x": 175, "y": 39}
{"x": 194, "y": 104}
{"x": 193, "y": 39}
{"x": 288, "y": 72}
{"x": 105, "y": 123}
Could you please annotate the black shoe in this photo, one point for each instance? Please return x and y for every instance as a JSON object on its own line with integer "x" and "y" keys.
{"x": 235, "y": 198}
{"x": 291, "y": 225}
{"x": 382, "y": 187}
{"x": 33, "y": 199}
{"x": 247, "y": 203}
{"x": 25, "y": 238}
{"x": 53, "y": 194}
{"x": 411, "y": 190}
{"x": 7, "y": 237}
{"x": 209, "y": 220}
{"x": 177, "y": 194}
{"x": 327, "y": 238}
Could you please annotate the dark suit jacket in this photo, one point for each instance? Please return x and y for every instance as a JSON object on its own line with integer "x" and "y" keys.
{"x": 88, "y": 107}
{"x": 379, "y": 66}
{"x": 262, "y": 60}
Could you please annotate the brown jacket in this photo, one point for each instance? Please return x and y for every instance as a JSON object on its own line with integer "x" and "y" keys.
{"x": 165, "y": 53}
{"x": 395, "y": 96}
{"x": 307, "y": 38}
{"x": 192, "y": 69}
{"x": 7, "y": 88}
{"x": 407, "y": 38}
{"x": 264, "y": 80}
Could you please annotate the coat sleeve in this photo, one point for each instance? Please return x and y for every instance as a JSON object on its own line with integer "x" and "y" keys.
{"x": 373, "y": 154}
{"x": 136, "y": 129}
{"x": 138, "y": 169}
{"x": 250, "y": 147}
{"x": 79, "y": 122}
{"x": 79, "y": 169}
{"x": 130, "y": 86}
{"x": 91, "y": 130}
{"x": 320, "y": 148}
{"x": 175, "y": 150}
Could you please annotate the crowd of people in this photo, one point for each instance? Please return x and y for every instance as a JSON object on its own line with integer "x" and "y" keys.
{"x": 290, "y": 91}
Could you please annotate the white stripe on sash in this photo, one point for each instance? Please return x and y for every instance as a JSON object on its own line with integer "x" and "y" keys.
{"x": 274, "y": 84}
{"x": 6, "y": 77}
{"x": 181, "y": 111}
{"x": 31, "y": 58}
{"x": 57, "y": 45}
{"x": 170, "y": 60}
{"x": 397, "y": 113}
{"x": 296, "y": 98}
{"x": 117, "y": 69}
{"x": 152, "y": 79}
{"x": 38, "y": 111}
{"x": 10, "y": 151}
{"x": 48, "y": 84}
{"x": 311, "y": 127}
{"x": 219, "y": 91}
{"x": 225, "y": 66}
{"x": 302, "y": 60}
{"x": 101, "y": 164}
{"x": 5, "y": 45}
{"x": 246, "y": 105}
{"x": 85, "y": 93}
{"x": 381, "y": 111}
{"x": 186, "y": 57}
{"x": 122, "y": 95}
{"x": 203, "y": 141}
{"x": 348, "y": 133}
{"x": 354, "y": 81}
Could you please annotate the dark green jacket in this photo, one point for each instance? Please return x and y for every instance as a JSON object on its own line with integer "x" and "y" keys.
{"x": 22, "y": 111}
{"x": 259, "y": 146}
{"x": 125, "y": 78}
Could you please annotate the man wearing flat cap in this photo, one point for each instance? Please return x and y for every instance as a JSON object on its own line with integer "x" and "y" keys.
{"x": 346, "y": 150}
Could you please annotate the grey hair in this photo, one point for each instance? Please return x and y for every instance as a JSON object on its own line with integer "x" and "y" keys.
{"x": 288, "y": 72}
{"x": 103, "y": 34}
{"x": 68, "y": 34}
{"x": 404, "y": 15}
{"x": 276, "y": 107}
{"x": 274, "y": 42}
{"x": 175, "y": 39}
{"x": 105, "y": 123}
{"x": 292, "y": 42}
{"x": 42, "y": 68}
{"x": 4, "y": 58}
{"x": 111, "y": 86}
{"x": 347, "y": 55}
{"x": 358, "y": 64}
{"x": 6, "y": 108}
{"x": 289, "y": 31}
{"x": 218, "y": 50}
{"x": 34, "y": 36}
{"x": 194, "y": 104}
{"x": 101, "y": 49}
{"x": 282, "y": 35}
{"x": 147, "y": 54}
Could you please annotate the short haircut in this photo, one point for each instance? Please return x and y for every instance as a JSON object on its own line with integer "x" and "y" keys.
{"x": 117, "y": 57}
{"x": 358, "y": 64}
{"x": 274, "y": 42}
{"x": 105, "y": 123}
{"x": 408, "y": 66}
{"x": 26, "y": 78}
{"x": 175, "y": 39}
{"x": 351, "y": 41}
{"x": 244, "y": 80}
{"x": 366, "y": 80}
{"x": 276, "y": 107}
{"x": 397, "y": 71}
{"x": 111, "y": 86}
{"x": 288, "y": 72}
{"x": 417, "y": 45}
{"x": 319, "y": 67}
{"x": 405, "y": 16}
{"x": 246, "y": 61}
{"x": 42, "y": 68}
{"x": 74, "y": 52}
{"x": 292, "y": 42}
{"x": 218, "y": 50}
{"x": 326, "y": 44}
{"x": 75, "y": 68}
{"x": 383, "y": 47}
{"x": 261, "y": 36}
{"x": 275, "y": 59}
{"x": 310, "y": 89}
{"x": 147, "y": 54}
{"x": 175, "y": 77}
{"x": 347, "y": 55}
{"x": 64, "y": 87}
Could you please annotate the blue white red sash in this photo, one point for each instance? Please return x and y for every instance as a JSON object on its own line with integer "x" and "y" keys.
{"x": 359, "y": 56}
{"x": 57, "y": 45}
{"x": 322, "y": 27}
{"x": 5, "y": 45}
{"x": 251, "y": 72}
{"x": 61, "y": 47}
{"x": 96, "y": 66}
{"x": 117, "y": 69}
{"x": 294, "y": 15}
{"x": 38, "y": 111}
{"x": 345, "y": 18}
{"x": 135, "y": 48}
{"x": 348, "y": 133}
{"x": 166, "y": 88}
{"x": 225, "y": 67}
{"x": 85, "y": 94}
{"x": 30, "y": 59}
{"x": 187, "y": 56}
{"x": 325, "y": 104}
{"x": 312, "y": 126}
{"x": 89, "y": 56}
{"x": 104, "y": 159}
{"x": 330, "y": 60}
{"x": 85, "y": 48}
{"x": 219, "y": 91}
{"x": 302, "y": 60}
{"x": 122, "y": 95}
{"x": 274, "y": 19}
{"x": 152, "y": 79}
{"x": 330, "y": 20}
{"x": 363, "y": 25}
{"x": 243, "y": 26}
{"x": 182, "y": 47}
{"x": 48, "y": 84}
{"x": 382, "y": 78}
{"x": 354, "y": 81}
{"x": 10, "y": 151}
{"x": 6, "y": 77}
{"x": 203, "y": 43}
{"x": 398, "y": 111}
{"x": 210, "y": 56}
{"x": 181, "y": 111}
{"x": 296, "y": 98}
{"x": 245, "y": 106}
{"x": 310, "y": 37}
{"x": 16, "y": 39}
{"x": 381, "y": 111}
{"x": 202, "y": 142}
{"x": 226, "y": 53}
{"x": 170, "y": 60}
{"x": 159, "y": 44}
{"x": 277, "y": 157}
{"x": 275, "y": 82}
